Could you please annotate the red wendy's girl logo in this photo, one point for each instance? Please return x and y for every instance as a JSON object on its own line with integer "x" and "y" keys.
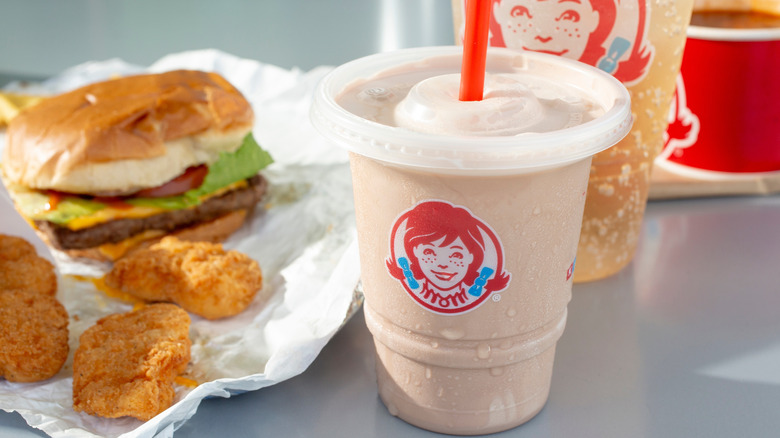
{"x": 448, "y": 260}
{"x": 609, "y": 34}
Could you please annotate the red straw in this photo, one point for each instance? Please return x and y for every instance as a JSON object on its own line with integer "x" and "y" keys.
{"x": 475, "y": 42}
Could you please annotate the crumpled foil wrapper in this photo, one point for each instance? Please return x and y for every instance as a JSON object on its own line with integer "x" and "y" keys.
{"x": 303, "y": 238}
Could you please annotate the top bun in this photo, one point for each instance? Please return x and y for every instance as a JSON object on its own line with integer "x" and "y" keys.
{"x": 126, "y": 134}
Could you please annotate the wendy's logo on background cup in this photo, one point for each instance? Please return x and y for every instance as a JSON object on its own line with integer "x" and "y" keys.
{"x": 448, "y": 260}
{"x": 725, "y": 115}
{"x": 683, "y": 129}
{"x": 608, "y": 34}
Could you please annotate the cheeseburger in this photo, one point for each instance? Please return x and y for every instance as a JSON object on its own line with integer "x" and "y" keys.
{"x": 108, "y": 166}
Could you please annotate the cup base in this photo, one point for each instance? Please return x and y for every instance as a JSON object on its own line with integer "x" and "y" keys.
{"x": 463, "y": 401}
{"x": 439, "y": 421}
{"x": 596, "y": 274}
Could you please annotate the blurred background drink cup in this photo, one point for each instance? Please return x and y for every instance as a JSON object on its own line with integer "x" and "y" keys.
{"x": 467, "y": 222}
{"x": 639, "y": 42}
{"x": 725, "y": 118}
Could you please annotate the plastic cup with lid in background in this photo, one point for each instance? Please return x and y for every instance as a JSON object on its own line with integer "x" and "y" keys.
{"x": 639, "y": 42}
{"x": 468, "y": 219}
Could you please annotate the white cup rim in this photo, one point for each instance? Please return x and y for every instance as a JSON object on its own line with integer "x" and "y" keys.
{"x": 462, "y": 153}
{"x": 727, "y": 34}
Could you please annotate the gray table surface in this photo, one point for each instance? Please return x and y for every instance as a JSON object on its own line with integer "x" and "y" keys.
{"x": 685, "y": 342}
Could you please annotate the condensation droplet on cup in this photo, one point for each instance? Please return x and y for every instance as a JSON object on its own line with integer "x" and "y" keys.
{"x": 606, "y": 189}
{"x": 537, "y": 211}
{"x": 625, "y": 174}
{"x": 428, "y": 373}
{"x": 376, "y": 93}
{"x": 435, "y": 344}
{"x": 511, "y": 312}
{"x": 506, "y": 344}
{"x": 496, "y": 371}
{"x": 453, "y": 334}
{"x": 440, "y": 392}
{"x": 483, "y": 351}
{"x": 392, "y": 409}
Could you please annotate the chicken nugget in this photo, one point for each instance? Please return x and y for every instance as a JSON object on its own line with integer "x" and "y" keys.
{"x": 22, "y": 269}
{"x": 33, "y": 335}
{"x": 201, "y": 277}
{"x": 14, "y": 247}
{"x": 125, "y": 364}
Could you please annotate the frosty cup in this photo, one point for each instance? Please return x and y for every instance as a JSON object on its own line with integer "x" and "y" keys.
{"x": 468, "y": 215}
{"x": 639, "y": 42}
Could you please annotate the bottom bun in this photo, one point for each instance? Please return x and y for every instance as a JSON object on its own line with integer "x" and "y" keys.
{"x": 216, "y": 230}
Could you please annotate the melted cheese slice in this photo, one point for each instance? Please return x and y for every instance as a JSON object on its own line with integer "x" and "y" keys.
{"x": 111, "y": 213}
{"x": 113, "y": 251}
{"x": 136, "y": 212}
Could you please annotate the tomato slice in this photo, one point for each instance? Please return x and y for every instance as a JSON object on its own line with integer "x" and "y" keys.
{"x": 54, "y": 200}
{"x": 192, "y": 178}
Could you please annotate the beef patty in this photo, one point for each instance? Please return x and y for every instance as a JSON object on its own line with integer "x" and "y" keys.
{"x": 118, "y": 230}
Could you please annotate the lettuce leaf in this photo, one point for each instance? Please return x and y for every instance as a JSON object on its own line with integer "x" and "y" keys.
{"x": 34, "y": 205}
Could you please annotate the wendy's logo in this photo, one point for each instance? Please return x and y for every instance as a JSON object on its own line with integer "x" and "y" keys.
{"x": 608, "y": 34}
{"x": 447, "y": 259}
{"x": 684, "y": 125}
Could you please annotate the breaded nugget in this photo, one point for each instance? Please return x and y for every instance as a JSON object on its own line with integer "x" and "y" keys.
{"x": 33, "y": 335}
{"x": 201, "y": 277}
{"x": 14, "y": 247}
{"x": 22, "y": 269}
{"x": 126, "y": 363}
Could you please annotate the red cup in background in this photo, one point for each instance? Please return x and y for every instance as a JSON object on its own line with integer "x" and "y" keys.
{"x": 725, "y": 116}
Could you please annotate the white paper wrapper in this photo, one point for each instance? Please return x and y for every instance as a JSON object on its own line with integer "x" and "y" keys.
{"x": 304, "y": 240}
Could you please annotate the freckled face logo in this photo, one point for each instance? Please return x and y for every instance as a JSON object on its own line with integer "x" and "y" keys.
{"x": 448, "y": 260}
{"x": 609, "y": 34}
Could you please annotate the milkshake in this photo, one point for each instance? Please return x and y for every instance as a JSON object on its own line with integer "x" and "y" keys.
{"x": 639, "y": 42}
{"x": 468, "y": 217}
